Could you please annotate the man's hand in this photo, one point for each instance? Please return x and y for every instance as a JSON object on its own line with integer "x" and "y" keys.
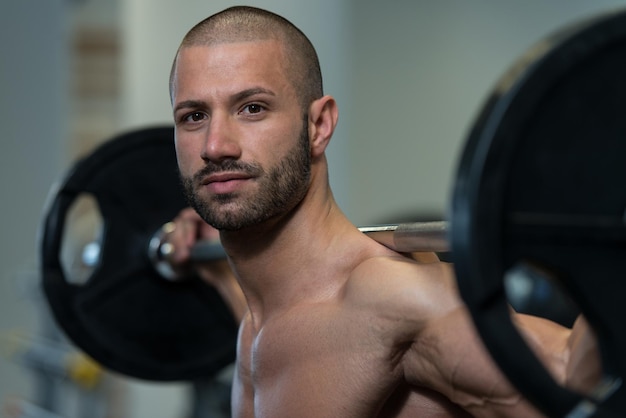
{"x": 188, "y": 228}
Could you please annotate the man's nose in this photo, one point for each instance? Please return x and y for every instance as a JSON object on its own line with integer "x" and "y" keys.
{"x": 221, "y": 140}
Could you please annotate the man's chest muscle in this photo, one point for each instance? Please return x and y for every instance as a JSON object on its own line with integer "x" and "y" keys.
{"x": 315, "y": 368}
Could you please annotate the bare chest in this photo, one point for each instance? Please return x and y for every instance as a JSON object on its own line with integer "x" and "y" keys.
{"x": 314, "y": 366}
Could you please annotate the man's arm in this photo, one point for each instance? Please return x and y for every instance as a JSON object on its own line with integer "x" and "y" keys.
{"x": 447, "y": 354}
{"x": 570, "y": 354}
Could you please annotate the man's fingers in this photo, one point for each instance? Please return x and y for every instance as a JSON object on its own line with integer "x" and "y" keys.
{"x": 188, "y": 230}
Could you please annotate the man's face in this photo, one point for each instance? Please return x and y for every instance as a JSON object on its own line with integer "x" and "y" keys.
{"x": 241, "y": 136}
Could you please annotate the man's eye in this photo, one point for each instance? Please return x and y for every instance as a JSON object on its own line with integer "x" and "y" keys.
{"x": 194, "y": 117}
{"x": 252, "y": 109}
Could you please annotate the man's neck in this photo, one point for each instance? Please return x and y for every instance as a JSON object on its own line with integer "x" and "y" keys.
{"x": 286, "y": 261}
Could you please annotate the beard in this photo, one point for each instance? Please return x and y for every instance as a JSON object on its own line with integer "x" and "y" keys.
{"x": 281, "y": 188}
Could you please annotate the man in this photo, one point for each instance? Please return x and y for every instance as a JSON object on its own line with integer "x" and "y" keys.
{"x": 335, "y": 324}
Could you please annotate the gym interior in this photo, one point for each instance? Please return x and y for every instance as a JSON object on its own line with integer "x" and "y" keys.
{"x": 409, "y": 77}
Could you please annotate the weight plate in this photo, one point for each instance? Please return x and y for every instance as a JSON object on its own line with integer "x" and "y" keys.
{"x": 539, "y": 185}
{"x": 122, "y": 312}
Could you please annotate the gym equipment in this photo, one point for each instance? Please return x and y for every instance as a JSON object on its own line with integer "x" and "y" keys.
{"x": 405, "y": 237}
{"x": 121, "y": 312}
{"x": 537, "y": 189}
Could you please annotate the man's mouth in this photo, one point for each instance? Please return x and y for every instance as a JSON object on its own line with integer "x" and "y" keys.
{"x": 225, "y": 182}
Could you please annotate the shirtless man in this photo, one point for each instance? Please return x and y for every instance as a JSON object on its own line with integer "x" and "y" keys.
{"x": 335, "y": 324}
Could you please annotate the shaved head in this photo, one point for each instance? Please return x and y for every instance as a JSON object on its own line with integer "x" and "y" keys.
{"x": 249, "y": 24}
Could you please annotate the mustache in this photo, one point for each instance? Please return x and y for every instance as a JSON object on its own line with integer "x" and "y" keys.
{"x": 251, "y": 169}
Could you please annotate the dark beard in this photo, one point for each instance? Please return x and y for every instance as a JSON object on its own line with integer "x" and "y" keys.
{"x": 281, "y": 189}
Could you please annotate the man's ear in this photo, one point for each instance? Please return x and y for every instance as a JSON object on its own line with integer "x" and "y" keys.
{"x": 323, "y": 115}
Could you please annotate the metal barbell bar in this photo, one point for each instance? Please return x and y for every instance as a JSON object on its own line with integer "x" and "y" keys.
{"x": 405, "y": 238}
{"x": 411, "y": 237}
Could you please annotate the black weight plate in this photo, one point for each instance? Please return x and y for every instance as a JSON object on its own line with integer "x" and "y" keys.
{"x": 126, "y": 316}
{"x": 540, "y": 183}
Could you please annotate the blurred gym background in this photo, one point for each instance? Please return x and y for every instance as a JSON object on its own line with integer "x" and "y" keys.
{"x": 409, "y": 77}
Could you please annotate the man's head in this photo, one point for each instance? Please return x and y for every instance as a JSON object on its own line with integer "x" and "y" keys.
{"x": 251, "y": 122}
{"x": 248, "y": 24}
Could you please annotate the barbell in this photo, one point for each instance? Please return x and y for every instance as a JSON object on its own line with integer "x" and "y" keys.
{"x": 538, "y": 189}
{"x": 410, "y": 237}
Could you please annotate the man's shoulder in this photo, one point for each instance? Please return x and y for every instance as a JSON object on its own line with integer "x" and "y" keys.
{"x": 393, "y": 269}
{"x": 399, "y": 283}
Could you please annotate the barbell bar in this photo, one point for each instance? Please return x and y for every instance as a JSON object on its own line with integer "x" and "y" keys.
{"x": 411, "y": 237}
{"x": 404, "y": 238}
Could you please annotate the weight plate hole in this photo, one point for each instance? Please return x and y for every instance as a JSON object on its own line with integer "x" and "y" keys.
{"x": 82, "y": 239}
{"x": 535, "y": 291}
